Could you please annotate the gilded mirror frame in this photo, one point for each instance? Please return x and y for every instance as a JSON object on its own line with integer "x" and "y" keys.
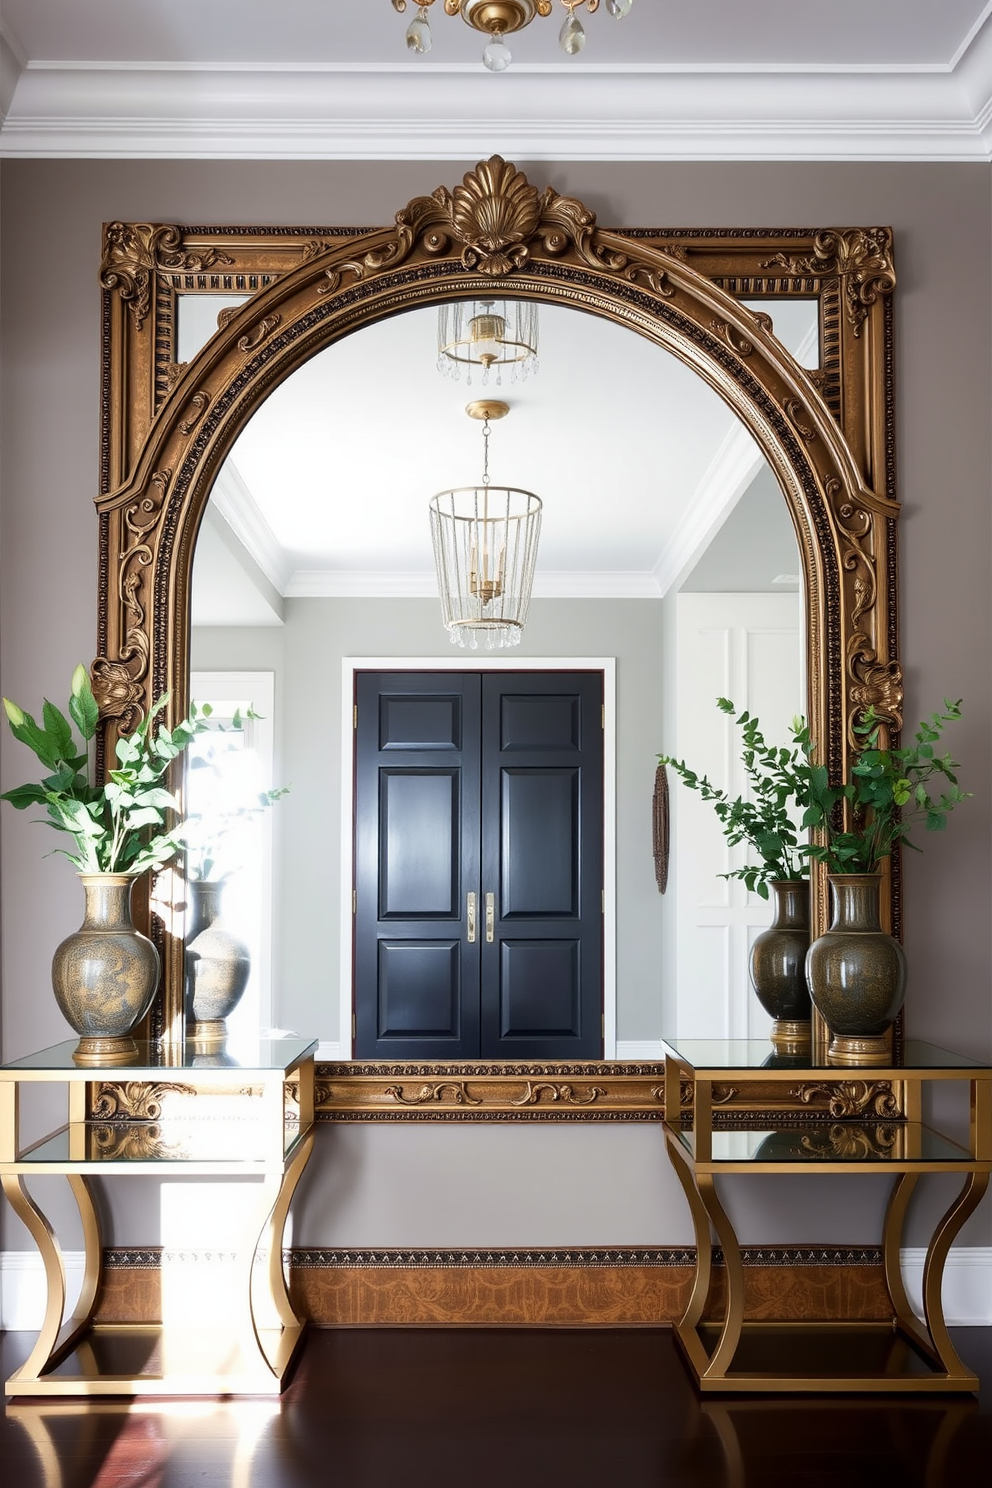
{"x": 166, "y": 429}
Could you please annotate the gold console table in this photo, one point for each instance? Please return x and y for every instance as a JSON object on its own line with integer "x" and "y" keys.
{"x": 245, "y": 1112}
{"x": 725, "y": 1353}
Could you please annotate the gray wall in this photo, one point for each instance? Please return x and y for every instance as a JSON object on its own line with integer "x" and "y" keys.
{"x": 51, "y": 216}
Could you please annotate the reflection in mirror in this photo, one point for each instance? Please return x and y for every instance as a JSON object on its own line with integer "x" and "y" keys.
{"x": 666, "y": 543}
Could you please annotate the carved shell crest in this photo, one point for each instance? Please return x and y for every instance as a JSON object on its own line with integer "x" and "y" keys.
{"x": 493, "y": 212}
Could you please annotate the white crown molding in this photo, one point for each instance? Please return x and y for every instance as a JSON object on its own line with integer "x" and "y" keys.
{"x": 401, "y": 111}
{"x": 372, "y": 584}
{"x": 234, "y": 502}
{"x": 727, "y": 477}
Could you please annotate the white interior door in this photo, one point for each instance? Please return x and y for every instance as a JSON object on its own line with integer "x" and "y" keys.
{"x": 746, "y": 647}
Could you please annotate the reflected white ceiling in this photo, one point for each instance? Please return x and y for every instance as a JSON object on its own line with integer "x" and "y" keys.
{"x": 638, "y": 462}
{"x": 769, "y": 79}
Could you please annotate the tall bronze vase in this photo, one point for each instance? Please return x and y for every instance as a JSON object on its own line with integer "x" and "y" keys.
{"x": 218, "y": 966}
{"x": 104, "y": 975}
{"x": 857, "y": 973}
{"x": 778, "y": 967}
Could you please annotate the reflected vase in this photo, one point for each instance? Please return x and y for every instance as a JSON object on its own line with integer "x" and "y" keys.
{"x": 105, "y": 974}
{"x": 857, "y": 973}
{"x": 777, "y": 967}
{"x": 218, "y": 966}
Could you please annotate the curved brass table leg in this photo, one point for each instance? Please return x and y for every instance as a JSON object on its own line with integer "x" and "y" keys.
{"x": 276, "y": 1229}
{"x": 255, "y": 1230}
{"x": 43, "y": 1236}
{"x": 701, "y": 1227}
{"x": 965, "y": 1204}
{"x": 892, "y": 1235}
{"x": 730, "y": 1334}
{"x": 92, "y": 1249}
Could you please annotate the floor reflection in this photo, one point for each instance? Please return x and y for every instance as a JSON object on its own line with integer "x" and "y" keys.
{"x": 484, "y": 1408}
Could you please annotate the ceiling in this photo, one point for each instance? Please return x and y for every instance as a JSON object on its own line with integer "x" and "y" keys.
{"x": 638, "y": 462}
{"x": 327, "y": 490}
{"x": 765, "y": 79}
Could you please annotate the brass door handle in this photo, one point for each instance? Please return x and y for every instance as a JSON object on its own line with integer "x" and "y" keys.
{"x": 470, "y": 907}
{"x": 490, "y": 915}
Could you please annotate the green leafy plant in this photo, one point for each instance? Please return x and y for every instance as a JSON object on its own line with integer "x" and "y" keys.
{"x": 787, "y": 792}
{"x": 891, "y": 793}
{"x": 210, "y": 835}
{"x": 126, "y": 824}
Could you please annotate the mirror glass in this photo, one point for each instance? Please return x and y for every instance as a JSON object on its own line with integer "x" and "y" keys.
{"x": 666, "y": 544}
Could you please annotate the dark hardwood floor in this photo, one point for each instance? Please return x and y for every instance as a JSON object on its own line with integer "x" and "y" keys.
{"x": 477, "y": 1408}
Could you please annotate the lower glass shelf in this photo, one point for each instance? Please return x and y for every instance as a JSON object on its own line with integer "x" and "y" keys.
{"x": 869, "y": 1142}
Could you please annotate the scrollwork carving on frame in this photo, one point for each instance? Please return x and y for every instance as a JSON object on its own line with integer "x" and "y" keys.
{"x": 557, "y": 1092}
{"x": 496, "y": 232}
{"x": 847, "y": 1098}
{"x": 444, "y": 1091}
{"x": 133, "y": 252}
{"x": 135, "y": 1100}
{"x": 860, "y": 256}
{"x": 851, "y": 1142}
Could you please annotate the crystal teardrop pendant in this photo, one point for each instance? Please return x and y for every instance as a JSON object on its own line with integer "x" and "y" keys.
{"x": 571, "y": 37}
{"x": 497, "y": 55}
{"x": 618, "y": 8}
{"x": 418, "y": 33}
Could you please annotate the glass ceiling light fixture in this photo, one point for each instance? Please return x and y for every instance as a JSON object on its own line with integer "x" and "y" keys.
{"x": 502, "y": 18}
{"x": 487, "y": 334}
{"x": 485, "y": 550}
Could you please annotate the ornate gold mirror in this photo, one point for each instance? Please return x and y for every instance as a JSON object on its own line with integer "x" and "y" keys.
{"x": 826, "y": 433}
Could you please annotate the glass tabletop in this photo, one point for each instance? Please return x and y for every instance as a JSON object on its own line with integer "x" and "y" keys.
{"x": 833, "y": 1142}
{"x": 758, "y": 1054}
{"x": 249, "y": 1054}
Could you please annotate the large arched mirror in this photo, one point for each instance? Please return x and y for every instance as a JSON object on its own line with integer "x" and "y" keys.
{"x": 772, "y": 350}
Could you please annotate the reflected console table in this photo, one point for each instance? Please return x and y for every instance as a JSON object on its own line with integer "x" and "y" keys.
{"x": 243, "y": 1113}
{"x": 856, "y": 1134}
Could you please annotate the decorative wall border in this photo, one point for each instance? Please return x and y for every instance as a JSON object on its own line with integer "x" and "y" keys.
{"x": 614, "y": 1286}
{"x": 607, "y": 1091}
{"x": 167, "y": 428}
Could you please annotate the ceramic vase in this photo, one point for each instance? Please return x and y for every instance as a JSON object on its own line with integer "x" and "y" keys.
{"x": 778, "y": 967}
{"x": 857, "y": 973}
{"x": 218, "y": 965}
{"x": 104, "y": 975}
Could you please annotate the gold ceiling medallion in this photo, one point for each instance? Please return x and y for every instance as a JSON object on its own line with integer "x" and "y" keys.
{"x": 499, "y": 19}
{"x": 492, "y": 235}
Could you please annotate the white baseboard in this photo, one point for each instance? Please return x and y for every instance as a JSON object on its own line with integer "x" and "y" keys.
{"x": 639, "y": 1050}
{"x": 967, "y": 1290}
{"x": 22, "y": 1288}
{"x": 967, "y": 1286}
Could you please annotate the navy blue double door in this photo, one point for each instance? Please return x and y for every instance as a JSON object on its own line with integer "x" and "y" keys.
{"x": 478, "y": 865}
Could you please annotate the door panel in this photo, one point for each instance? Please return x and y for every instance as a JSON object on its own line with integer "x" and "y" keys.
{"x": 419, "y": 989}
{"x": 416, "y": 857}
{"x": 488, "y": 784}
{"x": 542, "y": 857}
{"x": 539, "y": 846}
{"x": 540, "y": 989}
{"x": 419, "y": 819}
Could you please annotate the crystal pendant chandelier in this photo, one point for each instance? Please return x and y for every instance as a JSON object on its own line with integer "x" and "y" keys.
{"x": 502, "y": 18}
{"x": 487, "y": 334}
{"x": 485, "y": 549}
